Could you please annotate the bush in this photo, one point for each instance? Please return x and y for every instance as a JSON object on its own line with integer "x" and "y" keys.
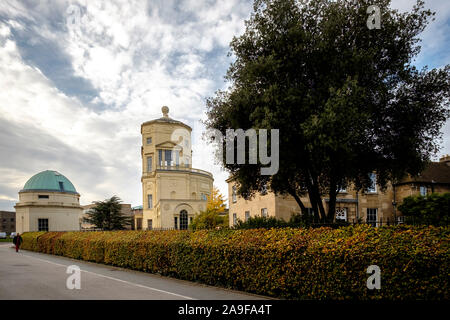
{"x": 433, "y": 209}
{"x": 296, "y": 221}
{"x": 320, "y": 263}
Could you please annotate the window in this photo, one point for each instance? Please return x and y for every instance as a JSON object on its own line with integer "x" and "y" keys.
{"x": 342, "y": 190}
{"x": 149, "y": 224}
{"x": 264, "y": 212}
{"x": 175, "y": 222}
{"x": 149, "y": 140}
{"x": 61, "y": 185}
{"x": 150, "y": 201}
{"x": 203, "y": 196}
{"x": 234, "y": 194}
{"x": 160, "y": 157}
{"x": 234, "y": 219}
{"x": 191, "y": 219}
{"x": 12, "y": 220}
{"x": 42, "y": 196}
{"x": 42, "y": 224}
{"x": 168, "y": 157}
{"x": 423, "y": 191}
{"x": 341, "y": 214}
{"x": 138, "y": 223}
{"x": 373, "y": 187}
{"x": 401, "y": 219}
{"x": 183, "y": 220}
{"x": 247, "y": 215}
{"x": 149, "y": 164}
{"x": 372, "y": 216}
{"x": 310, "y": 211}
{"x": 264, "y": 189}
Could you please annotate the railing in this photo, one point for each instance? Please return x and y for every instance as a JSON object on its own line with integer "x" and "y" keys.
{"x": 183, "y": 168}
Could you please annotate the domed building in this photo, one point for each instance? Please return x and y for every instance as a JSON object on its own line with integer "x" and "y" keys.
{"x": 173, "y": 191}
{"x": 48, "y": 202}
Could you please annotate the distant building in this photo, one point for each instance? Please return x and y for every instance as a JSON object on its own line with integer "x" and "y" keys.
{"x": 371, "y": 206}
{"x": 137, "y": 212}
{"x": 7, "y": 221}
{"x": 48, "y": 202}
{"x": 173, "y": 191}
{"x": 125, "y": 210}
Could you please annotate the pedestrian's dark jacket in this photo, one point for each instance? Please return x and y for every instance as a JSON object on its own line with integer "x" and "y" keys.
{"x": 17, "y": 240}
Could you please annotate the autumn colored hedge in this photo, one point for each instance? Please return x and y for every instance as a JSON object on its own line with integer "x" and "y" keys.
{"x": 288, "y": 263}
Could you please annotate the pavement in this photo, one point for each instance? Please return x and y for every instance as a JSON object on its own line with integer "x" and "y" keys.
{"x": 38, "y": 276}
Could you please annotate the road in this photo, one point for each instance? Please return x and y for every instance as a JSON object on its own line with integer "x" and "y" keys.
{"x": 37, "y": 276}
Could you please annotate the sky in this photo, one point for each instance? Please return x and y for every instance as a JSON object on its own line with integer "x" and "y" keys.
{"x": 77, "y": 79}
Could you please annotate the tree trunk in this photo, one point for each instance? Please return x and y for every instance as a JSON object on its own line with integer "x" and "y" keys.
{"x": 298, "y": 200}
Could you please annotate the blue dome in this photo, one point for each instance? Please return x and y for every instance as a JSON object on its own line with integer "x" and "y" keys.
{"x": 49, "y": 180}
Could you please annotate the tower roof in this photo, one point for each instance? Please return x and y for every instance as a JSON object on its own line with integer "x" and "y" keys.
{"x": 49, "y": 180}
{"x": 165, "y": 118}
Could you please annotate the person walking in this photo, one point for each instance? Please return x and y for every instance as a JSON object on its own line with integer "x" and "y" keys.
{"x": 17, "y": 240}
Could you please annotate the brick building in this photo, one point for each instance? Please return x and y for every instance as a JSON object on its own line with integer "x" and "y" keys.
{"x": 370, "y": 206}
{"x": 7, "y": 221}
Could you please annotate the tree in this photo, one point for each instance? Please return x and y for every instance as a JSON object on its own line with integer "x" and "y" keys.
{"x": 107, "y": 215}
{"x": 433, "y": 209}
{"x": 213, "y": 216}
{"x": 215, "y": 201}
{"x": 347, "y": 99}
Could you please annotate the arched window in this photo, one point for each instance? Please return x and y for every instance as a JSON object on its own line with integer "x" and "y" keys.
{"x": 183, "y": 220}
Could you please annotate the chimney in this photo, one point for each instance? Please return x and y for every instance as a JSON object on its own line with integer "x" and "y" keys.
{"x": 445, "y": 159}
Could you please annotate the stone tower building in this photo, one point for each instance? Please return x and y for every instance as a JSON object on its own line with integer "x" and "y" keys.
{"x": 173, "y": 191}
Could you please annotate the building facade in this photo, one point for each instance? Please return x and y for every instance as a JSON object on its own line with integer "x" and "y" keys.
{"x": 373, "y": 206}
{"x": 137, "y": 212}
{"x": 48, "y": 202}
{"x": 7, "y": 221}
{"x": 173, "y": 192}
{"x": 125, "y": 210}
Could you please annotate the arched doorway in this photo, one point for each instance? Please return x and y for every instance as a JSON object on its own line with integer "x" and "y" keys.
{"x": 183, "y": 220}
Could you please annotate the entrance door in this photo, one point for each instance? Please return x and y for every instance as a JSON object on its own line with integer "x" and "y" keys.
{"x": 183, "y": 220}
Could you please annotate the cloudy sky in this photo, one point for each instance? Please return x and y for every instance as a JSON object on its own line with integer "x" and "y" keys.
{"x": 77, "y": 78}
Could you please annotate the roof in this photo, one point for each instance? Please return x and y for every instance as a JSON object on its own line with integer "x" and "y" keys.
{"x": 137, "y": 208}
{"x": 166, "y": 119}
{"x": 49, "y": 180}
{"x": 435, "y": 172}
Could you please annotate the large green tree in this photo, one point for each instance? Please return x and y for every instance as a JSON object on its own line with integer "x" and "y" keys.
{"x": 347, "y": 99}
{"x": 107, "y": 215}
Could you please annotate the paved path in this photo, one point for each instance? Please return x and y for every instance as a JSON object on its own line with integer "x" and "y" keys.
{"x": 32, "y": 275}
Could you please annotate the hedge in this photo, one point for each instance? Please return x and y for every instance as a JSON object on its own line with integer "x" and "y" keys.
{"x": 287, "y": 263}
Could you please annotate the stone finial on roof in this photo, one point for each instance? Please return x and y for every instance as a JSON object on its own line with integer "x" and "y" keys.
{"x": 165, "y": 111}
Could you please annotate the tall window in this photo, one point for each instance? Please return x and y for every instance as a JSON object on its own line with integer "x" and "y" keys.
{"x": 247, "y": 215}
{"x": 341, "y": 214}
{"x": 183, "y": 220}
{"x": 149, "y": 140}
{"x": 234, "y": 219}
{"x": 264, "y": 212}
{"x": 149, "y": 164}
{"x": 160, "y": 157}
{"x": 175, "y": 222}
{"x": 372, "y": 216}
{"x": 203, "y": 196}
{"x": 168, "y": 156}
{"x": 150, "y": 201}
{"x": 149, "y": 224}
{"x": 42, "y": 224}
{"x": 423, "y": 191}
{"x": 234, "y": 193}
{"x": 373, "y": 187}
